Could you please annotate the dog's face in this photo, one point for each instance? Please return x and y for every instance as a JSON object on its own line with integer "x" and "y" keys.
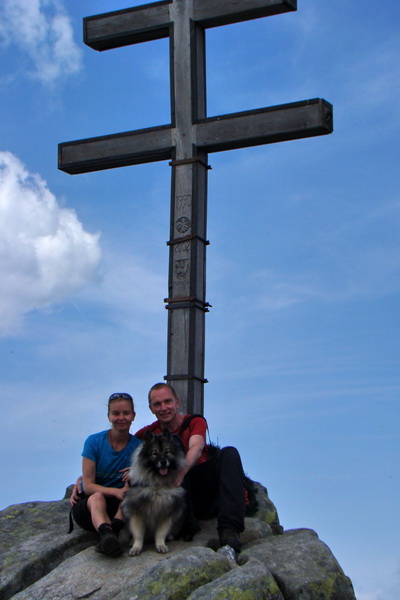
{"x": 162, "y": 453}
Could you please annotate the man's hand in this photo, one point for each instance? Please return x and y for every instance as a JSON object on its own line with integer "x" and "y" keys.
{"x": 196, "y": 445}
{"x": 76, "y": 492}
{"x": 180, "y": 477}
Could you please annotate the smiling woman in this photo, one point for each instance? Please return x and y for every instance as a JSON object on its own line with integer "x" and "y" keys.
{"x": 302, "y": 269}
{"x": 105, "y": 457}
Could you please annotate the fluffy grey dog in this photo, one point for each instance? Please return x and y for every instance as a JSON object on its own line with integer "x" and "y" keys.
{"x": 154, "y": 507}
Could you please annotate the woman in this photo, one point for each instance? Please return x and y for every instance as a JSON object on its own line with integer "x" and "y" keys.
{"x": 106, "y": 457}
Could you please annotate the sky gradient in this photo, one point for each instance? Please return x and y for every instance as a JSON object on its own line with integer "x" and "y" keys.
{"x": 302, "y": 341}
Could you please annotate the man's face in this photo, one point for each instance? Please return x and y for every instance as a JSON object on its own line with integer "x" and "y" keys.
{"x": 164, "y": 405}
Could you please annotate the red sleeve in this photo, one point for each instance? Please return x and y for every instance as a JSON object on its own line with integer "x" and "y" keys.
{"x": 197, "y": 426}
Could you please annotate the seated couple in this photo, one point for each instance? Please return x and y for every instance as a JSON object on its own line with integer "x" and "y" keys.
{"x": 214, "y": 484}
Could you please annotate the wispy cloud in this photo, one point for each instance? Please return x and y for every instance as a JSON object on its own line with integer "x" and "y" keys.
{"x": 130, "y": 294}
{"x": 45, "y": 254}
{"x": 42, "y": 30}
{"x": 312, "y": 255}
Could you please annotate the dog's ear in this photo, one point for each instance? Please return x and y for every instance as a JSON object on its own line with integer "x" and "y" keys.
{"x": 148, "y": 436}
{"x": 176, "y": 440}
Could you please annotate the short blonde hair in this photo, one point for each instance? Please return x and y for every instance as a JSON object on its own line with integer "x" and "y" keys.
{"x": 159, "y": 386}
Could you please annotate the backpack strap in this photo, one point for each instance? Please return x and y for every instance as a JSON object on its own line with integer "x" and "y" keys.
{"x": 71, "y": 522}
{"x": 184, "y": 425}
{"x": 186, "y": 422}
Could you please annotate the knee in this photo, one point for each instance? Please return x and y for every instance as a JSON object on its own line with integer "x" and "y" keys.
{"x": 96, "y": 500}
{"x": 230, "y": 452}
{"x": 230, "y": 457}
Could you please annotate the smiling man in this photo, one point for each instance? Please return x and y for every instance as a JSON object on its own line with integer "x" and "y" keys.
{"x": 214, "y": 483}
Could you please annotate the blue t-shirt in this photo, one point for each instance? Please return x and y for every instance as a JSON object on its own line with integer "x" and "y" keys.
{"x": 109, "y": 462}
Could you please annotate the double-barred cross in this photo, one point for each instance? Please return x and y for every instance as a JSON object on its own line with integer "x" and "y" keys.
{"x": 186, "y": 142}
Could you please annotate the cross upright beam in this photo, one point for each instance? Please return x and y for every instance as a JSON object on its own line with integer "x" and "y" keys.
{"x": 186, "y": 143}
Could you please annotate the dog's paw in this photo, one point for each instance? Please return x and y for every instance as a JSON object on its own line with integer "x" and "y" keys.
{"x": 135, "y": 550}
{"x": 162, "y": 548}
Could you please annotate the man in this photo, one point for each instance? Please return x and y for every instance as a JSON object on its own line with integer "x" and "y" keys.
{"x": 215, "y": 484}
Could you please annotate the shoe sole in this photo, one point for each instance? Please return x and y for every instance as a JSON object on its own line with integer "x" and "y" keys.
{"x": 110, "y": 546}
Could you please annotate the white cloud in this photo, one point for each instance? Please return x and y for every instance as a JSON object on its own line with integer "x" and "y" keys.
{"x": 279, "y": 294}
{"x": 130, "y": 295}
{"x": 42, "y": 29}
{"x": 45, "y": 254}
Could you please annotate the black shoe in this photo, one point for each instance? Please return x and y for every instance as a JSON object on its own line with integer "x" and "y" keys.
{"x": 108, "y": 543}
{"x": 117, "y": 526}
{"x": 230, "y": 537}
{"x": 189, "y": 529}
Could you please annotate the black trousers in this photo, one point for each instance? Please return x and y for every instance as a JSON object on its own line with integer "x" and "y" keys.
{"x": 216, "y": 489}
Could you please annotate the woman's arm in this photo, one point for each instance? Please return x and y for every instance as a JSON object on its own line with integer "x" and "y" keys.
{"x": 89, "y": 482}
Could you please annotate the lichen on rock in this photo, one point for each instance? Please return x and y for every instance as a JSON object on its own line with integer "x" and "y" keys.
{"x": 41, "y": 561}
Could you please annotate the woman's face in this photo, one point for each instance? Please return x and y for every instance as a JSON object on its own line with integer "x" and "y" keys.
{"x": 121, "y": 415}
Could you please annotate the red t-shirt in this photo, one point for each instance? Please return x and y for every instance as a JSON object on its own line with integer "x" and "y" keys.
{"x": 197, "y": 426}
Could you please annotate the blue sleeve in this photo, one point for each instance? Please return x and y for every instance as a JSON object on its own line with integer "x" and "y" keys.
{"x": 134, "y": 442}
{"x": 90, "y": 449}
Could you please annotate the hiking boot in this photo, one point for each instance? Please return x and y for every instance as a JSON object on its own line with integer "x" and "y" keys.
{"x": 117, "y": 526}
{"x": 108, "y": 543}
{"x": 230, "y": 537}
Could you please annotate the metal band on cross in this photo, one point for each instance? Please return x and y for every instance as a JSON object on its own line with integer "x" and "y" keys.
{"x": 186, "y": 143}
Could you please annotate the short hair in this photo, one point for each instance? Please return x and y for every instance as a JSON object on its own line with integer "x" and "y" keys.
{"x": 159, "y": 386}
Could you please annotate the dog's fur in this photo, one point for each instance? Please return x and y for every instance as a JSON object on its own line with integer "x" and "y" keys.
{"x": 153, "y": 506}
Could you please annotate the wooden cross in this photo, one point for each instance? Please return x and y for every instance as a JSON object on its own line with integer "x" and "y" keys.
{"x": 186, "y": 142}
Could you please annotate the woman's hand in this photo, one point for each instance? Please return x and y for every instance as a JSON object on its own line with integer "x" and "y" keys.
{"x": 119, "y": 493}
{"x": 125, "y": 475}
{"x": 76, "y": 492}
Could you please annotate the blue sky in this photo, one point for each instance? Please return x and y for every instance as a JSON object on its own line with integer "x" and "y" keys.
{"x": 302, "y": 270}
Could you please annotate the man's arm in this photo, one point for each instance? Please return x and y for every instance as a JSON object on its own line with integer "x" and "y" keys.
{"x": 196, "y": 445}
